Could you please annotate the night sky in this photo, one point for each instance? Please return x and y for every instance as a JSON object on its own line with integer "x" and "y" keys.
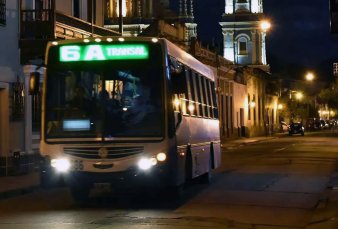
{"x": 300, "y": 32}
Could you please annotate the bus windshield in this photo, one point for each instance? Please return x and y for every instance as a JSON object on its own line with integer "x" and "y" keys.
{"x": 104, "y": 101}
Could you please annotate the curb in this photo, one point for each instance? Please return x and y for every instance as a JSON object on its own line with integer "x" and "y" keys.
{"x": 18, "y": 192}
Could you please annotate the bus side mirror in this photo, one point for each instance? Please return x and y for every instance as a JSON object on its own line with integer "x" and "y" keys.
{"x": 34, "y": 83}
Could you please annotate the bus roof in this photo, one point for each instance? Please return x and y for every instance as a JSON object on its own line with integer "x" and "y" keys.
{"x": 189, "y": 60}
{"x": 172, "y": 50}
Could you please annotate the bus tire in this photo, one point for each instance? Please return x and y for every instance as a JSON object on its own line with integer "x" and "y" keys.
{"x": 206, "y": 177}
{"x": 174, "y": 192}
{"x": 188, "y": 166}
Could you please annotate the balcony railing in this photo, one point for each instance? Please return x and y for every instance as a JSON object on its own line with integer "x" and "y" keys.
{"x": 40, "y": 26}
{"x": 37, "y": 24}
{"x": 48, "y": 24}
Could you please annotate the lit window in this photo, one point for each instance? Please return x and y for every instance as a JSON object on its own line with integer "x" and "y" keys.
{"x": 2, "y": 12}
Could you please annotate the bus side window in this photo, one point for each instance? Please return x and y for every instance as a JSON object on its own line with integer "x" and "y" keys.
{"x": 214, "y": 100}
{"x": 199, "y": 95}
{"x": 191, "y": 93}
{"x": 179, "y": 85}
{"x": 205, "y": 102}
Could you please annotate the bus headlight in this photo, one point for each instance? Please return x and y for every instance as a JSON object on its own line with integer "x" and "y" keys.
{"x": 61, "y": 164}
{"x": 145, "y": 163}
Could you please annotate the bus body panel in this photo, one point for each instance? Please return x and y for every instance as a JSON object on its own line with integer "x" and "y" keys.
{"x": 199, "y": 135}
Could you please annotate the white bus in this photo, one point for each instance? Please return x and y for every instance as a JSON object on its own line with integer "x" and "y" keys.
{"x": 126, "y": 112}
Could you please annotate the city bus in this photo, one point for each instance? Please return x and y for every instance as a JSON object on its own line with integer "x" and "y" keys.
{"x": 126, "y": 112}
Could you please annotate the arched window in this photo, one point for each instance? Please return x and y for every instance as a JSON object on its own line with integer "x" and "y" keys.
{"x": 242, "y": 45}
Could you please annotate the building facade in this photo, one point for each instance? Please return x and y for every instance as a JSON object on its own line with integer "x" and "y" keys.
{"x": 12, "y": 138}
{"x": 36, "y": 22}
{"x": 244, "y": 44}
{"x": 138, "y": 15}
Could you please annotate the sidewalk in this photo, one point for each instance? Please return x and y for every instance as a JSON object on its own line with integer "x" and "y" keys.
{"x": 15, "y": 185}
{"x": 11, "y": 186}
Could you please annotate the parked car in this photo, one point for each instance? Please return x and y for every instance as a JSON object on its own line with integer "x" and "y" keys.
{"x": 296, "y": 128}
{"x": 313, "y": 124}
{"x": 324, "y": 124}
{"x": 284, "y": 127}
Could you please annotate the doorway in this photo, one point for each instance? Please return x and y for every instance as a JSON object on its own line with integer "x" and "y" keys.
{"x": 4, "y": 128}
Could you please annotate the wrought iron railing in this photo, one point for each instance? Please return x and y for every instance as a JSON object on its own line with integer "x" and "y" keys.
{"x": 48, "y": 24}
{"x": 37, "y": 24}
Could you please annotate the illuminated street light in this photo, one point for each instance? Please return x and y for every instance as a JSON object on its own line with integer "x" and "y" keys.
{"x": 299, "y": 95}
{"x": 309, "y": 76}
{"x": 252, "y": 104}
{"x": 265, "y": 25}
{"x": 280, "y": 106}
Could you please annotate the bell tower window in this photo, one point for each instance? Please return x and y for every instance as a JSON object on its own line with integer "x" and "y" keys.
{"x": 242, "y": 46}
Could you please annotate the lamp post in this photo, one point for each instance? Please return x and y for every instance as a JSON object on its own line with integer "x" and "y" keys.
{"x": 265, "y": 25}
{"x": 309, "y": 76}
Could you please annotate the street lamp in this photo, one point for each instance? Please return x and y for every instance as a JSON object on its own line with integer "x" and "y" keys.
{"x": 299, "y": 95}
{"x": 309, "y": 76}
{"x": 265, "y": 25}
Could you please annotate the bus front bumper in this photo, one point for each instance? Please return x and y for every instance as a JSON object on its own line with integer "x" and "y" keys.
{"x": 157, "y": 176}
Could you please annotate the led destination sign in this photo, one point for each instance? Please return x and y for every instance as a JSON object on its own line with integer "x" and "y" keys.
{"x": 72, "y": 53}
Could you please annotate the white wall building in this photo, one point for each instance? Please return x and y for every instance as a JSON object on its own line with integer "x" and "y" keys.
{"x": 11, "y": 87}
{"x": 25, "y": 28}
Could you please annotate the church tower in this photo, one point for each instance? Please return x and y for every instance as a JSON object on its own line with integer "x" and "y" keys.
{"x": 243, "y": 33}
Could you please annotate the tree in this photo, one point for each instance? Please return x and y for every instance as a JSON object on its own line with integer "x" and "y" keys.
{"x": 329, "y": 96}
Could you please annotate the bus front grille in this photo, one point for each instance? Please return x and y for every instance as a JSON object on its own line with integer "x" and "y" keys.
{"x": 111, "y": 152}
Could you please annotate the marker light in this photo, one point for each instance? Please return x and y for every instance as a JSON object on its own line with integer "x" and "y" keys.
{"x": 161, "y": 157}
{"x": 97, "y": 39}
{"x": 61, "y": 164}
{"x": 109, "y": 39}
{"x": 86, "y": 40}
{"x": 154, "y": 40}
{"x": 121, "y": 39}
{"x": 55, "y": 43}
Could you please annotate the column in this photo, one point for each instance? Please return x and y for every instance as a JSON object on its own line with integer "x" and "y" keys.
{"x": 191, "y": 8}
{"x": 150, "y": 9}
{"x": 263, "y": 48}
{"x": 180, "y": 8}
{"x": 229, "y": 52}
{"x": 254, "y": 47}
{"x": 139, "y": 12}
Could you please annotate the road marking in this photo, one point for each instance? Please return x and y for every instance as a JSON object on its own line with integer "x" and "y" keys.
{"x": 281, "y": 149}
